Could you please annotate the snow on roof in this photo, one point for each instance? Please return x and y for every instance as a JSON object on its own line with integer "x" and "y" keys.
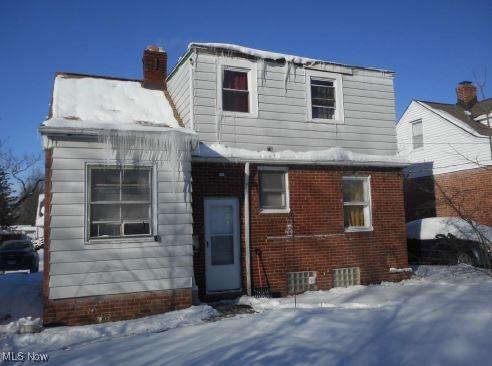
{"x": 332, "y": 155}
{"x": 87, "y": 102}
{"x": 427, "y": 229}
{"x": 273, "y": 55}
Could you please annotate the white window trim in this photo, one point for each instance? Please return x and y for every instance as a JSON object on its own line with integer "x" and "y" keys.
{"x": 367, "y": 209}
{"x": 142, "y": 239}
{"x": 337, "y": 79}
{"x": 412, "y": 123}
{"x": 287, "y": 194}
{"x": 240, "y": 65}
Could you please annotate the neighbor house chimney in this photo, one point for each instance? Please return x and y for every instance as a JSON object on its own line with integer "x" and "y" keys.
{"x": 154, "y": 67}
{"x": 467, "y": 94}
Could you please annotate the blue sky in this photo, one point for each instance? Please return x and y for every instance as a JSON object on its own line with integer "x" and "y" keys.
{"x": 431, "y": 45}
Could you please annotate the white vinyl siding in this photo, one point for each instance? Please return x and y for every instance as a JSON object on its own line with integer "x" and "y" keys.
{"x": 282, "y": 121}
{"x": 116, "y": 265}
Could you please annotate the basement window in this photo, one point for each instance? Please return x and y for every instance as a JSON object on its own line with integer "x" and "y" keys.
{"x": 356, "y": 203}
{"x": 119, "y": 202}
{"x": 344, "y": 277}
{"x": 274, "y": 189}
{"x": 417, "y": 135}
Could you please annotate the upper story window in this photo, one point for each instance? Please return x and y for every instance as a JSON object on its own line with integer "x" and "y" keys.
{"x": 324, "y": 96}
{"x": 119, "y": 202}
{"x": 417, "y": 135}
{"x": 356, "y": 203}
{"x": 274, "y": 189}
{"x": 237, "y": 93}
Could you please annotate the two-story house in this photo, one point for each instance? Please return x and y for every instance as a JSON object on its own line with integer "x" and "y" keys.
{"x": 450, "y": 148}
{"x": 240, "y": 172}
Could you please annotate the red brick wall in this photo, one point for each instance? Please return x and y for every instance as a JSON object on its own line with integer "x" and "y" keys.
{"x": 470, "y": 192}
{"x": 319, "y": 242}
{"x": 98, "y": 309}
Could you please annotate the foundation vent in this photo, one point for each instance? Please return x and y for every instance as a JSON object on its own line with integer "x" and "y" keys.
{"x": 344, "y": 277}
{"x": 298, "y": 282}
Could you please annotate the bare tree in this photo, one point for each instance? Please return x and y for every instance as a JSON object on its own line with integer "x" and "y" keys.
{"x": 20, "y": 170}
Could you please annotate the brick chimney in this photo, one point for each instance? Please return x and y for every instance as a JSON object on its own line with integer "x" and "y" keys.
{"x": 467, "y": 94}
{"x": 154, "y": 68}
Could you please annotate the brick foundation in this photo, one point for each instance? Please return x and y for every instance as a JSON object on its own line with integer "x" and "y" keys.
{"x": 470, "y": 192}
{"x": 98, "y": 309}
{"x": 319, "y": 242}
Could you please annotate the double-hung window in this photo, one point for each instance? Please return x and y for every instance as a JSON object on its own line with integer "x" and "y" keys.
{"x": 274, "y": 190}
{"x": 235, "y": 92}
{"x": 237, "y": 87}
{"x": 119, "y": 202}
{"x": 324, "y": 96}
{"x": 417, "y": 135}
{"x": 356, "y": 203}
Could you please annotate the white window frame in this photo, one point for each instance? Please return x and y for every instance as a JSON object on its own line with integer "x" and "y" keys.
{"x": 241, "y": 65}
{"x": 367, "y": 204}
{"x": 285, "y": 170}
{"x": 120, "y": 239}
{"x": 412, "y": 124}
{"x": 337, "y": 82}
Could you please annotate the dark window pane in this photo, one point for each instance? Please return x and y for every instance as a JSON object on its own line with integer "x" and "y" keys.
{"x": 322, "y": 82}
{"x": 136, "y": 176}
{"x": 235, "y": 101}
{"x": 98, "y": 230}
{"x": 323, "y": 112}
{"x": 139, "y": 193}
{"x": 323, "y": 102}
{"x": 105, "y": 212}
{"x": 272, "y": 179}
{"x": 322, "y": 92}
{"x": 353, "y": 191}
{"x": 235, "y": 80}
{"x": 105, "y": 176}
{"x": 222, "y": 252}
{"x": 105, "y": 193}
{"x": 135, "y": 211}
{"x": 140, "y": 228}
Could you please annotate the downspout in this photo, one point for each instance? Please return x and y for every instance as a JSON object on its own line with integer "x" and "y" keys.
{"x": 247, "y": 251}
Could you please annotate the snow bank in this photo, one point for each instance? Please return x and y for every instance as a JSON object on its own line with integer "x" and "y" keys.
{"x": 63, "y": 337}
{"x": 426, "y": 229}
{"x": 336, "y": 154}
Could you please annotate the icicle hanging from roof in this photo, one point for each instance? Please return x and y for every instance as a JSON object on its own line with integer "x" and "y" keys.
{"x": 131, "y": 147}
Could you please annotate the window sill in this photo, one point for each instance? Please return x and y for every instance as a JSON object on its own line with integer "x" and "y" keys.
{"x": 330, "y": 121}
{"x": 359, "y": 229}
{"x": 274, "y": 210}
{"x": 130, "y": 240}
{"x": 239, "y": 114}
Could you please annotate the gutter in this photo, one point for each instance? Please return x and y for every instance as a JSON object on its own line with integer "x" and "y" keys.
{"x": 222, "y": 159}
{"x": 247, "y": 251}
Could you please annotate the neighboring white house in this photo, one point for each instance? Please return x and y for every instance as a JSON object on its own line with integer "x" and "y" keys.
{"x": 447, "y": 143}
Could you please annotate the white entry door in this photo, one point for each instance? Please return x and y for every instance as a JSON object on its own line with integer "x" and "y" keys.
{"x": 222, "y": 257}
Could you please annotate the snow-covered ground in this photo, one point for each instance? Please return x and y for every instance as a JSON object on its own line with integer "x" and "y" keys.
{"x": 440, "y": 316}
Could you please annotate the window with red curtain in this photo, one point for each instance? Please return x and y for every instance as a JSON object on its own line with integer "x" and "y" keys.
{"x": 235, "y": 94}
